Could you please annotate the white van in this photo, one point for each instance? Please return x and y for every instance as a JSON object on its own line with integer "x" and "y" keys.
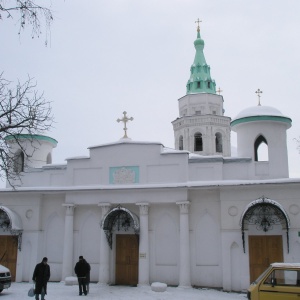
{"x": 5, "y": 278}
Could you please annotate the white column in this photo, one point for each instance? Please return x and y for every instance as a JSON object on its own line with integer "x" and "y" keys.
{"x": 144, "y": 245}
{"x": 104, "y": 249}
{"x": 184, "y": 259}
{"x": 67, "y": 267}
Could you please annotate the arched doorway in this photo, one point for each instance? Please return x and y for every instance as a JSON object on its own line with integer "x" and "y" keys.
{"x": 125, "y": 225}
{"x": 264, "y": 215}
{"x": 10, "y": 239}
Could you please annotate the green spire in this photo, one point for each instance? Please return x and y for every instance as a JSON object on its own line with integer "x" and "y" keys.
{"x": 200, "y": 80}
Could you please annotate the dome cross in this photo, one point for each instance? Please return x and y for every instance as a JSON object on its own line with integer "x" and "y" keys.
{"x": 198, "y": 27}
{"x": 258, "y": 92}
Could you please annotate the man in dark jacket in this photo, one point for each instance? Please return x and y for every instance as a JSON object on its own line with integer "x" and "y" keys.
{"x": 88, "y": 277}
{"x": 81, "y": 270}
{"x": 41, "y": 276}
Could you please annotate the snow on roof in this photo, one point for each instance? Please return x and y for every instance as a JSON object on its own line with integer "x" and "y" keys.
{"x": 167, "y": 150}
{"x": 126, "y": 141}
{"x": 77, "y": 157}
{"x": 258, "y": 110}
{"x": 286, "y": 265}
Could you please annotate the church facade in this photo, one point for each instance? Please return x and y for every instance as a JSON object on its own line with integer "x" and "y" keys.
{"x": 140, "y": 212}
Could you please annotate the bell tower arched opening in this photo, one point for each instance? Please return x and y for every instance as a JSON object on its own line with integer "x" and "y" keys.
{"x": 261, "y": 149}
{"x": 198, "y": 142}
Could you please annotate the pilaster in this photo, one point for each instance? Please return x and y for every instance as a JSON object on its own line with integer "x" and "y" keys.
{"x": 144, "y": 245}
{"x": 184, "y": 258}
{"x": 67, "y": 266}
{"x": 104, "y": 248}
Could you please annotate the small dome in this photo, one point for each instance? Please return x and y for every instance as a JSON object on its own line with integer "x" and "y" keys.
{"x": 199, "y": 41}
{"x": 260, "y": 113}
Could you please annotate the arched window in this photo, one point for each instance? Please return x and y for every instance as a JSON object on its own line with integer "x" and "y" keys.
{"x": 19, "y": 162}
{"x": 261, "y": 151}
{"x": 208, "y": 84}
{"x": 198, "y": 142}
{"x": 219, "y": 143}
{"x": 49, "y": 159}
{"x": 198, "y": 84}
{"x": 181, "y": 142}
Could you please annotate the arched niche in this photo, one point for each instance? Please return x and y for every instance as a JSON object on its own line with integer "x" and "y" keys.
{"x": 207, "y": 241}
{"x": 54, "y": 235}
{"x": 90, "y": 236}
{"x": 166, "y": 240}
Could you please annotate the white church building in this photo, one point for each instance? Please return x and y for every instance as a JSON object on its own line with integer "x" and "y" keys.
{"x": 140, "y": 212}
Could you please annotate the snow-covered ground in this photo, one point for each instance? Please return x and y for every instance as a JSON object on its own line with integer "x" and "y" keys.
{"x": 59, "y": 291}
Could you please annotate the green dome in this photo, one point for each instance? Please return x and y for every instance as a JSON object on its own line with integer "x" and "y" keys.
{"x": 200, "y": 80}
{"x": 199, "y": 42}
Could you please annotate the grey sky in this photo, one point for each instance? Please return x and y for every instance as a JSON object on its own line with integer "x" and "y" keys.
{"x": 105, "y": 57}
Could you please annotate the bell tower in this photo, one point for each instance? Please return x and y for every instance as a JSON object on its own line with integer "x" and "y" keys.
{"x": 201, "y": 126}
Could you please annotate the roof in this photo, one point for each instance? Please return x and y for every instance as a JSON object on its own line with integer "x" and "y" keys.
{"x": 260, "y": 113}
{"x": 286, "y": 265}
{"x": 33, "y": 137}
{"x": 126, "y": 141}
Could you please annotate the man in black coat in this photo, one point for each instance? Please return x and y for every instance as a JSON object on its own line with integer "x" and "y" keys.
{"x": 41, "y": 276}
{"x": 88, "y": 276}
{"x": 81, "y": 270}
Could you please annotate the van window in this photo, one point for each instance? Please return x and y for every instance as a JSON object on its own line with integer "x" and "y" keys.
{"x": 284, "y": 277}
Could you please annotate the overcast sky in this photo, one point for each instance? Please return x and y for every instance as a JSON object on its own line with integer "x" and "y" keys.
{"x": 105, "y": 57}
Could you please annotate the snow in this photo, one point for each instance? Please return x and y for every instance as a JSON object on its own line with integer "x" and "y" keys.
{"x": 258, "y": 110}
{"x": 59, "y": 291}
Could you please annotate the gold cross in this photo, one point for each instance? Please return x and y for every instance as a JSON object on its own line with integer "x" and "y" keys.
{"x": 258, "y": 92}
{"x": 219, "y": 91}
{"x": 125, "y": 120}
{"x": 198, "y": 21}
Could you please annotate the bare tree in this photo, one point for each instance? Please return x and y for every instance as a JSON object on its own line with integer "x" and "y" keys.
{"x": 29, "y": 14}
{"x": 22, "y": 111}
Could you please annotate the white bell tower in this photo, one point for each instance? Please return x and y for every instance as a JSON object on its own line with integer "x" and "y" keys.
{"x": 201, "y": 126}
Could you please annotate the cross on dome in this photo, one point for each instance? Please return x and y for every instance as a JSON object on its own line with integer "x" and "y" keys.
{"x": 258, "y": 92}
{"x": 219, "y": 91}
{"x": 125, "y": 119}
{"x": 198, "y": 27}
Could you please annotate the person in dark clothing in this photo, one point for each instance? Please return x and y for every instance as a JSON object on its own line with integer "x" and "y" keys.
{"x": 81, "y": 270}
{"x": 41, "y": 276}
{"x": 88, "y": 277}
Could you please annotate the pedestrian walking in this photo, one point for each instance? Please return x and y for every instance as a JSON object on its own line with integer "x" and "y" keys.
{"x": 81, "y": 270}
{"x": 40, "y": 277}
{"x": 88, "y": 277}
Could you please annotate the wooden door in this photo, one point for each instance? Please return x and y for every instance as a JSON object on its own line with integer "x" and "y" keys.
{"x": 264, "y": 250}
{"x": 127, "y": 249}
{"x": 8, "y": 253}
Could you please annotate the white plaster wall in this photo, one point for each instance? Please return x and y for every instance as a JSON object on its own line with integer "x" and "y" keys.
{"x": 275, "y": 134}
{"x": 154, "y": 165}
{"x": 207, "y": 103}
{"x": 205, "y": 171}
